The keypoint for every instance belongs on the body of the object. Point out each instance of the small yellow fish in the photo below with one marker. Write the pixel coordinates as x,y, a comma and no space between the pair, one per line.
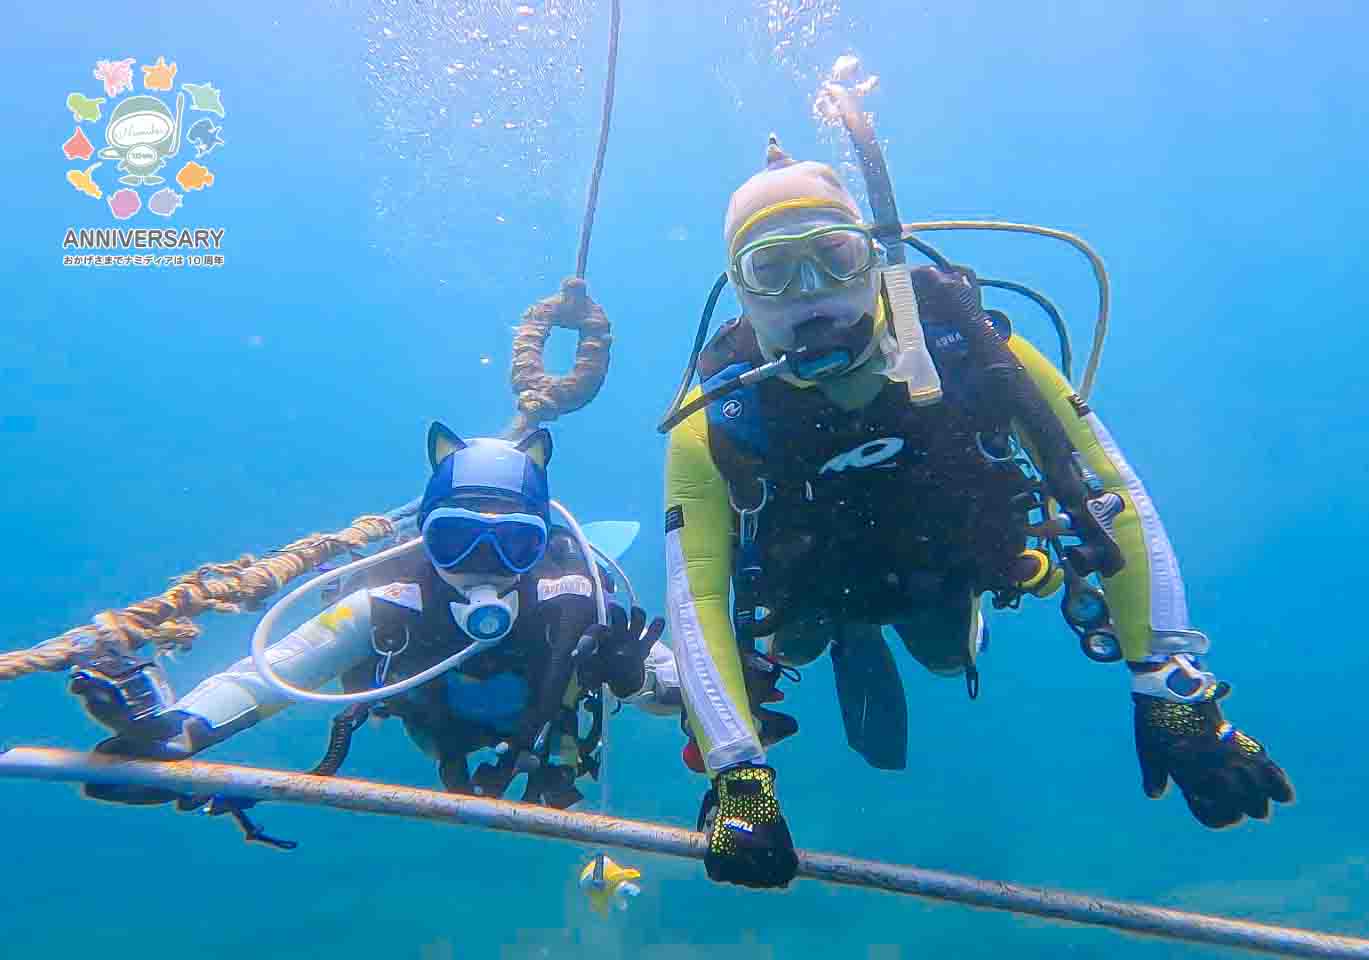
608,884
80,179
194,176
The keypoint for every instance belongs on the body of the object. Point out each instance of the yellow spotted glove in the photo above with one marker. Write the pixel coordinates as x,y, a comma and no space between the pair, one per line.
748,841
1224,774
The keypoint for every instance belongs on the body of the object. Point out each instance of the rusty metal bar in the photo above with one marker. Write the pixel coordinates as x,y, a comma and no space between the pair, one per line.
195,777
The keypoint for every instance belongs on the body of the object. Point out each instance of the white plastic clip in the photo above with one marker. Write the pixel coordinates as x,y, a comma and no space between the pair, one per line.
909,361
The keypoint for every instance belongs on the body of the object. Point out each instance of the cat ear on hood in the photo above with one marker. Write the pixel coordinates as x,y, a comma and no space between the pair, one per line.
442,443
537,445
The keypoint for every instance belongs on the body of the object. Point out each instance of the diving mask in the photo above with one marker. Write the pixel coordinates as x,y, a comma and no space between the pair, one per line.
768,267
452,534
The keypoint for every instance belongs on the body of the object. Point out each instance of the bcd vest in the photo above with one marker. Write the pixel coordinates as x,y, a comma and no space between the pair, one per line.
869,512
413,640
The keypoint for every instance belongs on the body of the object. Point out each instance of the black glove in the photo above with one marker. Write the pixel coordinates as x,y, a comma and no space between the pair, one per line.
166,737
748,840
1224,774
947,297
169,736
620,651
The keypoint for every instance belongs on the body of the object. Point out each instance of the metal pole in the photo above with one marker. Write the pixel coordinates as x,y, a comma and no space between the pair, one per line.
195,777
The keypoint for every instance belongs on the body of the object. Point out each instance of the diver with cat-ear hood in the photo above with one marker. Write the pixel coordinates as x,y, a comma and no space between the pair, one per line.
493,629
870,447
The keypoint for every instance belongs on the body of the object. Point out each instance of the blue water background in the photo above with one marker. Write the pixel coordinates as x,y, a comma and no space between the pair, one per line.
151,421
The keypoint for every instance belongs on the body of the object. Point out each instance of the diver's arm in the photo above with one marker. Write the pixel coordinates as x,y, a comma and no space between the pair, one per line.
318,651
698,581
1181,732
1146,598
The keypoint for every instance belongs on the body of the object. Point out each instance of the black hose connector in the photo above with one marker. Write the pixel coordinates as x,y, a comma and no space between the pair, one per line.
340,739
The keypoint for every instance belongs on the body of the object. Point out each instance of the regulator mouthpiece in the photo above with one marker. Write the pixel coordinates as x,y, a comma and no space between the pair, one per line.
486,617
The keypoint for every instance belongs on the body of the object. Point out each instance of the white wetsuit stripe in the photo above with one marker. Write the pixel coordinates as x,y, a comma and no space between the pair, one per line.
1168,601
729,740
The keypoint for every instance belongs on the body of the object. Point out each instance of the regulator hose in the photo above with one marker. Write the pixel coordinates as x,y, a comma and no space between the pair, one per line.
1014,396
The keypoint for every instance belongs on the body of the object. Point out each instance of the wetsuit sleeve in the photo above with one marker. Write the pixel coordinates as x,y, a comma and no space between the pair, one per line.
320,650
1146,598
698,583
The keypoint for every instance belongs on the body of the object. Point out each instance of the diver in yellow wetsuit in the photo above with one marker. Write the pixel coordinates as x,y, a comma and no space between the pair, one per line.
815,494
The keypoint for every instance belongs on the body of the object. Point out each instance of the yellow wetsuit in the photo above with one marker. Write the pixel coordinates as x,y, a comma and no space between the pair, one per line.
1146,598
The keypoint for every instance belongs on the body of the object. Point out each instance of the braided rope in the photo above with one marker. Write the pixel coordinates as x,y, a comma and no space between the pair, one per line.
165,620
542,396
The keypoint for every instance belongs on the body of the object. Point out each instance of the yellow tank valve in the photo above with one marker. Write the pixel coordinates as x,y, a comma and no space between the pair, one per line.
1033,570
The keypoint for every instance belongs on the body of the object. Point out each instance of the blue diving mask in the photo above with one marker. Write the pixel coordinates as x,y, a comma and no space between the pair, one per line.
452,534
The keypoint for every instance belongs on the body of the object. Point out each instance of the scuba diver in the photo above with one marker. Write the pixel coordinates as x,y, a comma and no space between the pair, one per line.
870,447
493,635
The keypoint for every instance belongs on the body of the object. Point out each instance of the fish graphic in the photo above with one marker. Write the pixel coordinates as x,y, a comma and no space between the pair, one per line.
205,136
78,147
84,108
193,176
80,179
164,202
124,203
204,97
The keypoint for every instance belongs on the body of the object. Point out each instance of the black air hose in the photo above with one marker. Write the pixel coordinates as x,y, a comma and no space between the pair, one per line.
555,678
1012,395
340,739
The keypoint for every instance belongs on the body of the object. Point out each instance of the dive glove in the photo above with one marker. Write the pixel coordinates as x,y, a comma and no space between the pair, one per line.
621,650
1225,775
748,840
174,735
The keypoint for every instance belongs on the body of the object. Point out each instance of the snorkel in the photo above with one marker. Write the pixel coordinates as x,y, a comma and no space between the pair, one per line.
906,350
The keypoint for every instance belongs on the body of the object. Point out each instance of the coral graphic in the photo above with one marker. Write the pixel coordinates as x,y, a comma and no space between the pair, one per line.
116,75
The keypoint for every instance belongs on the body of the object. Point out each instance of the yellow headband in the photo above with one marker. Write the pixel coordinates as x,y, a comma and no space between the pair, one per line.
798,203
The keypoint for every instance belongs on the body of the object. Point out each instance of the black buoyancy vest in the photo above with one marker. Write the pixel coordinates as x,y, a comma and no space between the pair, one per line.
425,637
870,510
